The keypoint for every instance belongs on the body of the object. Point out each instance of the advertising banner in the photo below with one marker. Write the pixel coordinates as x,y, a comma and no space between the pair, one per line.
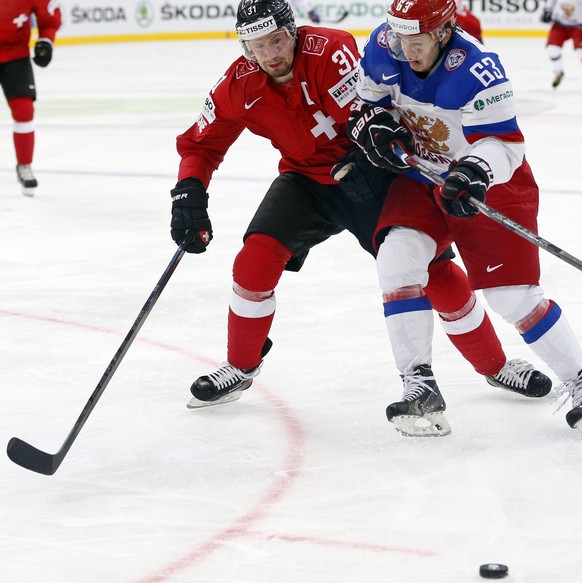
119,20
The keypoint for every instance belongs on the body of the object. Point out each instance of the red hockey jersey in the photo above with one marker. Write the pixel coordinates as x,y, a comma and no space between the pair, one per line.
15,25
469,22
304,118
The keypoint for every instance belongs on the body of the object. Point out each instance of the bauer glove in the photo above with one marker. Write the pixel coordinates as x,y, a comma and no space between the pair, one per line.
189,215
470,176
375,131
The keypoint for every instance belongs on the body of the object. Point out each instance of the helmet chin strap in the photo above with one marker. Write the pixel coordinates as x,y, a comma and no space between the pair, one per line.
439,34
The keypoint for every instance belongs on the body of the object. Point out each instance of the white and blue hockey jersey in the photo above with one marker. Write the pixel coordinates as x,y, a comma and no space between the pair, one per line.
464,105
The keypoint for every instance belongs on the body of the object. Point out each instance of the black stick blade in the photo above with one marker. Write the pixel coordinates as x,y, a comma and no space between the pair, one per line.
31,458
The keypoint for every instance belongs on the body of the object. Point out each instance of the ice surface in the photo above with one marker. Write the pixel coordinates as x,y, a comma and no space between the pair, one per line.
303,479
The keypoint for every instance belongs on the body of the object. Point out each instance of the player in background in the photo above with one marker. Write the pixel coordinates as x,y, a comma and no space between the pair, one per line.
295,87
16,75
566,19
307,8
468,21
445,98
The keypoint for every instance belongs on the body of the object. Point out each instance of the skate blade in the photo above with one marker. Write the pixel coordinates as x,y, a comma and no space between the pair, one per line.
28,191
195,403
429,425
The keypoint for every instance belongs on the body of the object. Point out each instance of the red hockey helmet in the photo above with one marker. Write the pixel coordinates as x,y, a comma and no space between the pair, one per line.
420,16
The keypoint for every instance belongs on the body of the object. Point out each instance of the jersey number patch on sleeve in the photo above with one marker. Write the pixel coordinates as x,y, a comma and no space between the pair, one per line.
487,71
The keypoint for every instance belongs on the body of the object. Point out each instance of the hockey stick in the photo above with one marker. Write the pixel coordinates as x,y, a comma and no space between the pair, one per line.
36,460
493,214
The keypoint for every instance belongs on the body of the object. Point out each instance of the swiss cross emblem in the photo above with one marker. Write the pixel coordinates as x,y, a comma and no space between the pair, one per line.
20,20
205,236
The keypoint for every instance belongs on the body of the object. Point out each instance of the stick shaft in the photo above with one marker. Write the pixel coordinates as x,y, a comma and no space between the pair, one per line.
36,460
495,215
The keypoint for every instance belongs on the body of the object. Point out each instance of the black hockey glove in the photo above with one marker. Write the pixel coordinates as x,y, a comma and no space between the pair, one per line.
470,176
43,52
189,204
359,179
375,131
546,16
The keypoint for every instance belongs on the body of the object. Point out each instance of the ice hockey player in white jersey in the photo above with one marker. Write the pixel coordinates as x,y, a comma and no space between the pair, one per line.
445,98
306,8
566,19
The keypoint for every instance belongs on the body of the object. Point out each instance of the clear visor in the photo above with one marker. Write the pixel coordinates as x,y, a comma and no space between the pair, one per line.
399,45
269,46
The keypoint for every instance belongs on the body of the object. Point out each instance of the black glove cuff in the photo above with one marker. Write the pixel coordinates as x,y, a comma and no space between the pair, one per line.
477,166
359,178
190,193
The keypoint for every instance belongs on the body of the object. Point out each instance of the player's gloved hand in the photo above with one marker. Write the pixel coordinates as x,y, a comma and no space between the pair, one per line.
189,215
314,16
43,52
359,179
375,131
546,16
470,176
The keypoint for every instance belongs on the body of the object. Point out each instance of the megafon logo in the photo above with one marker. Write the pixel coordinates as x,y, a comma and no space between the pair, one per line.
403,25
144,14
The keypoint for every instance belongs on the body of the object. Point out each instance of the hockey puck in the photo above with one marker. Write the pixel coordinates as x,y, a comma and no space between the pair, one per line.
493,571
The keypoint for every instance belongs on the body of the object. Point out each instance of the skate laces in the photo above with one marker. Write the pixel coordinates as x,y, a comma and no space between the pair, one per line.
415,386
227,375
515,373
568,389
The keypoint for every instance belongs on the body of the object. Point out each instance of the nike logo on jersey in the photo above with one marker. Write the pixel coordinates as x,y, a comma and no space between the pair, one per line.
490,269
249,105
387,77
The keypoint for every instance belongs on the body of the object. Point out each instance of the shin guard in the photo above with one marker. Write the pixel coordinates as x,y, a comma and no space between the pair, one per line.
256,272
463,318
22,109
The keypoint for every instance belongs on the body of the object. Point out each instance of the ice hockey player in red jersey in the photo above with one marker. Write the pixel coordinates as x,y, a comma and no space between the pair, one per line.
295,86
468,21
16,75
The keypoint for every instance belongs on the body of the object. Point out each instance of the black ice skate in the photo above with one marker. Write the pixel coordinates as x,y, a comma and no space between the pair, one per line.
224,385
420,413
574,389
26,178
558,79
520,377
